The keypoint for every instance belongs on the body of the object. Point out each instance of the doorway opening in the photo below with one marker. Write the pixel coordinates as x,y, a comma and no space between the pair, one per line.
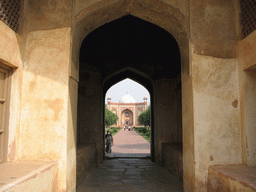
122,49
127,118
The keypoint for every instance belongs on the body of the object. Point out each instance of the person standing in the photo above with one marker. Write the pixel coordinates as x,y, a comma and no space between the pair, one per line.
109,142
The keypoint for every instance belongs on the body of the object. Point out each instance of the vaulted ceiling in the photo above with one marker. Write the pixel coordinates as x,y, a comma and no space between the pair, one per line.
133,42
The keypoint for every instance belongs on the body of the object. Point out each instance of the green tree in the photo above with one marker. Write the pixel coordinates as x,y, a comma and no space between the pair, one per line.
110,117
145,117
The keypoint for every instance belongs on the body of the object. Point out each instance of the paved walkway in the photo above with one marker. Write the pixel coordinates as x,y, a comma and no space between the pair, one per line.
125,175
129,144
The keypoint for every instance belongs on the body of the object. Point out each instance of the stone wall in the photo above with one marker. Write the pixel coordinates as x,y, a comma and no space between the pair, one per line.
217,132
166,114
90,109
173,158
44,120
86,161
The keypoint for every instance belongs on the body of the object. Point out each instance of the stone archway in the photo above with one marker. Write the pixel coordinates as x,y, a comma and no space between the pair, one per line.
172,21
144,80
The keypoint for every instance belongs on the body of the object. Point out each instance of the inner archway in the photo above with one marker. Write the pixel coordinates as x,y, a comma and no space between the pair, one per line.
131,132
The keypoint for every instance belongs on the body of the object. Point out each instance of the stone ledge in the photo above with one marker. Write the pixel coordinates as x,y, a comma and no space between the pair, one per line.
17,173
86,161
173,158
232,177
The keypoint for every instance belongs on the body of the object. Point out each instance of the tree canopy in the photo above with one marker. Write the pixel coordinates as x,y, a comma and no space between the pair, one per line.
110,117
145,117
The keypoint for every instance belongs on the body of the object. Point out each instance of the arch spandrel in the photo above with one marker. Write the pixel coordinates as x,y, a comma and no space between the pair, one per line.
156,12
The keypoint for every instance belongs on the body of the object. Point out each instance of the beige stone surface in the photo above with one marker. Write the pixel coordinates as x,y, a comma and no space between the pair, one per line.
46,14
182,6
28,176
217,133
213,28
43,134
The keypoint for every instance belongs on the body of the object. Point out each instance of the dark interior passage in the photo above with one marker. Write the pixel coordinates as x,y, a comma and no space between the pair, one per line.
130,48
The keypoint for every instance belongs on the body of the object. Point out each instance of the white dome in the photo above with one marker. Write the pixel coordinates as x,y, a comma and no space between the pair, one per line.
127,99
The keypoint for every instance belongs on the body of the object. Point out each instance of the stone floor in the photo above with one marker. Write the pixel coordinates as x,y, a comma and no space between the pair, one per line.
129,144
130,175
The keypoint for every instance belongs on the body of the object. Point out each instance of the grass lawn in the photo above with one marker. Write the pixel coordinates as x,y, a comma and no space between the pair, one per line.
113,130
144,132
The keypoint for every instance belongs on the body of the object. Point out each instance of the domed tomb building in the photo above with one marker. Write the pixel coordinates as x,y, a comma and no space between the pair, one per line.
127,110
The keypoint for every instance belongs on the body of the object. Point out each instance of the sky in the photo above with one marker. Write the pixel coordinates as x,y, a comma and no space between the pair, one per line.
136,90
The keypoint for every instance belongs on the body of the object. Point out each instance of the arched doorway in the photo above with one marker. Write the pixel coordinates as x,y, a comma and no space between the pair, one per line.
142,79
163,79
127,117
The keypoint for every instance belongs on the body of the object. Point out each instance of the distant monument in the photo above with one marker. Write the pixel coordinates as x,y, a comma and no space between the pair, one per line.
127,110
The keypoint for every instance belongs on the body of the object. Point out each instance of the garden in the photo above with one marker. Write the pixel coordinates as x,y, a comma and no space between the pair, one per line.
113,130
144,132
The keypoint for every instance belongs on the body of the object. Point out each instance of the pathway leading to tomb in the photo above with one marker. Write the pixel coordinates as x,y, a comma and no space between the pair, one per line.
129,144
130,174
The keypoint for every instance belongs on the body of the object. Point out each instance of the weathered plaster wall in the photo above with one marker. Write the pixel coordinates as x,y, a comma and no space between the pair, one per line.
48,96
10,55
180,5
247,77
216,104
90,109
213,28
46,14
43,133
216,110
